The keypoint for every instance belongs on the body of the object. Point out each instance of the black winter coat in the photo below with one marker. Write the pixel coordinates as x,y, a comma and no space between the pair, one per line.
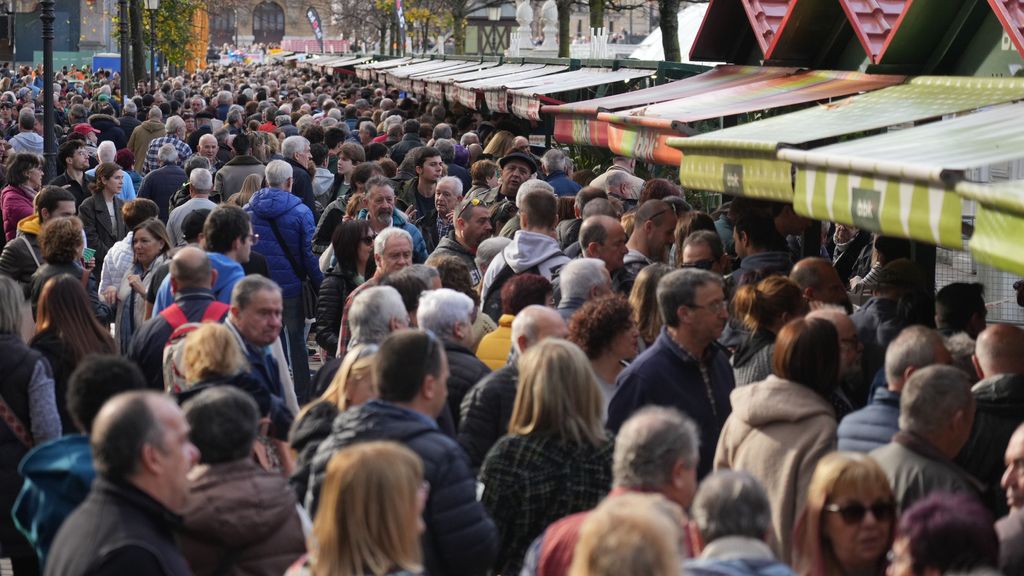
17,364
160,185
56,353
128,125
999,410
337,285
460,538
302,186
110,130
117,530
465,370
311,429
485,412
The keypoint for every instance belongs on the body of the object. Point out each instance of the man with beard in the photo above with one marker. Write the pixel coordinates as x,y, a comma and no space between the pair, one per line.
381,214
516,168
874,425
472,226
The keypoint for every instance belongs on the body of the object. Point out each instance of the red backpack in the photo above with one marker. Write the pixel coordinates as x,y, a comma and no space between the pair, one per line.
174,350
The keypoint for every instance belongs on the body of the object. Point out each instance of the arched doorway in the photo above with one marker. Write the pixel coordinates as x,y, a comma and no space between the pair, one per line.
223,27
268,23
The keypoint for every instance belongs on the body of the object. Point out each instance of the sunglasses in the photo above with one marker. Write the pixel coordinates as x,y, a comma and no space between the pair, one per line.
854,513
701,264
367,240
466,204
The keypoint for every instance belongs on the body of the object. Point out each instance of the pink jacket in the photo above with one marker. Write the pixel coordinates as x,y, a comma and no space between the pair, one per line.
15,203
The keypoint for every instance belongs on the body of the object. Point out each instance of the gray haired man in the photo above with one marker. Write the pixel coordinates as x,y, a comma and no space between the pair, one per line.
733,517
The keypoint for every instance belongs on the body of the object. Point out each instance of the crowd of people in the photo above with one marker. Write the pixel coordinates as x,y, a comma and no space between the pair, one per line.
264,321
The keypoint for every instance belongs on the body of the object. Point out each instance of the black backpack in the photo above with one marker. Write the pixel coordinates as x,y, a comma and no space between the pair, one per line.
492,302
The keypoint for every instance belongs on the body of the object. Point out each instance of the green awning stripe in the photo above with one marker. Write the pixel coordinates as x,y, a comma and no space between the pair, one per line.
902,208
997,240
753,175
1000,196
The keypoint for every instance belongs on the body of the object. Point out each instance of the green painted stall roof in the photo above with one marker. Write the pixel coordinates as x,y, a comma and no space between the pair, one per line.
939,153
919,99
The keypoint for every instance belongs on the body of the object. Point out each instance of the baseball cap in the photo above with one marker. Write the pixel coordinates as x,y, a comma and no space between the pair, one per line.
84,129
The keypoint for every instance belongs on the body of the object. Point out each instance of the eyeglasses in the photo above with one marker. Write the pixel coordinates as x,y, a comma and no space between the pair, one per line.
466,204
854,513
701,264
255,239
367,240
713,307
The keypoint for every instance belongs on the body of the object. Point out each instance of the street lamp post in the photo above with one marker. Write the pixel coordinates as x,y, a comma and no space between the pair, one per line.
123,32
49,136
152,6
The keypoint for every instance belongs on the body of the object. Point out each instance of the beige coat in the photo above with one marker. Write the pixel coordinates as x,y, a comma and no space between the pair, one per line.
777,432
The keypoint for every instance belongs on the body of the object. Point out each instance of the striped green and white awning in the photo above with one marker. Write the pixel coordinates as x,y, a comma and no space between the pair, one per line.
907,209
747,153
998,223
903,183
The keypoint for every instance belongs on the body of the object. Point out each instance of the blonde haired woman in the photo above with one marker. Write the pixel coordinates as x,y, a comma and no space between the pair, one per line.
848,522
250,185
352,385
631,534
212,356
556,458
369,520
499,145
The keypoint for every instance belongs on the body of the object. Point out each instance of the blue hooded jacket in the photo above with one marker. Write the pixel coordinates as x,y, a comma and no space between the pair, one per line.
229,273
58,476
295,222
419,246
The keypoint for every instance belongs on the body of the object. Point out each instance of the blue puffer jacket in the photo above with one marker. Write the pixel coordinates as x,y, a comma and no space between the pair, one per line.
872,426
419,245
295,222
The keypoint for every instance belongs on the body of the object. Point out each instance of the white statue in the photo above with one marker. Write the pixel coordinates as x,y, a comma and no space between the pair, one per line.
549,19
524,16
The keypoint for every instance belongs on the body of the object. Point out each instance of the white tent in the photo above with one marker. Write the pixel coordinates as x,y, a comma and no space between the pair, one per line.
690,19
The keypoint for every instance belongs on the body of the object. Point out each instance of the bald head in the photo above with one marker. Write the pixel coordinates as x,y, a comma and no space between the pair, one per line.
1000,350
535,323
190,269
819,281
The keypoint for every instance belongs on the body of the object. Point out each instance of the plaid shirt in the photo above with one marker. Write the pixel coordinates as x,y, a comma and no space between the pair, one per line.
151,163
531,481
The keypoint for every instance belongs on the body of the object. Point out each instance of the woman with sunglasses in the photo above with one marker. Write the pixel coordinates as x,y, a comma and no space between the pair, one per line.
353,250
847,524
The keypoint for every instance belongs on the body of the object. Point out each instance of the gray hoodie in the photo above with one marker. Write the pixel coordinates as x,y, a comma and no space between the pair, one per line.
527,250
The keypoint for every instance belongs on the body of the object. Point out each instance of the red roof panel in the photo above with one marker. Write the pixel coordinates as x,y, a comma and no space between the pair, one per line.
767,17
1011,16
874,21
